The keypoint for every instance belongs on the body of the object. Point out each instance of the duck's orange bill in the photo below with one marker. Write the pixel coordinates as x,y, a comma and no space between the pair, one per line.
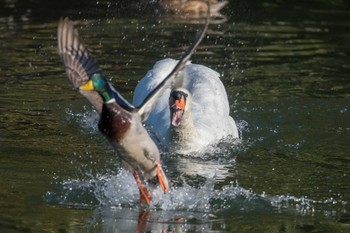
145,196
180,104
162,180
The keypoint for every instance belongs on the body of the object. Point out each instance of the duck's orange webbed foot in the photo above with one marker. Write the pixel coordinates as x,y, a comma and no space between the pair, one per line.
163,181
145,195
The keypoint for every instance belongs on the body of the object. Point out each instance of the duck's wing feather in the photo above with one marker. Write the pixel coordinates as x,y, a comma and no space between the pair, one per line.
80,65
145,108
120,99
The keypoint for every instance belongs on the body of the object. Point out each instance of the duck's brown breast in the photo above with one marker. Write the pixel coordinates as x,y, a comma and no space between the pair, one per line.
114,122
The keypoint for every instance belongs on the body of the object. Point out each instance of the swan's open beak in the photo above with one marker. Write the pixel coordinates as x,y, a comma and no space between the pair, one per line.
177,108
88,86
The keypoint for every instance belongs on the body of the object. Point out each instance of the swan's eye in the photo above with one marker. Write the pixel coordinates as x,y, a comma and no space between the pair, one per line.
177,100
177,95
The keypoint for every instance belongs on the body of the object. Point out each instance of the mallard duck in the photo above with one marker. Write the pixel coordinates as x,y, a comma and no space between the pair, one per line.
120,122
193,8
191,116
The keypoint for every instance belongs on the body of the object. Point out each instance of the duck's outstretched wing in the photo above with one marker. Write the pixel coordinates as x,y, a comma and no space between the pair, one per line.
146,107
80,65
120,99
78,62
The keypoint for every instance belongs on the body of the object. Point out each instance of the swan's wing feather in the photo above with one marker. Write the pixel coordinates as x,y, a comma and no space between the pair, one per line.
148,103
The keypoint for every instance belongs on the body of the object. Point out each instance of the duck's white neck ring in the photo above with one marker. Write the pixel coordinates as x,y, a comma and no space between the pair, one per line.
111,101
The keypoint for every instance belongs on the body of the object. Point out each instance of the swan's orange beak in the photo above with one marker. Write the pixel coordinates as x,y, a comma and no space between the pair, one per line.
177,108
178,104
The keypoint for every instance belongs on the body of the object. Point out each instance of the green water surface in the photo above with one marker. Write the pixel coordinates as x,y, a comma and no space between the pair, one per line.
285,66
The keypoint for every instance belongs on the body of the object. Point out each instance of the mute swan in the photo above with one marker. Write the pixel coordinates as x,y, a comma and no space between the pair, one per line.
191,116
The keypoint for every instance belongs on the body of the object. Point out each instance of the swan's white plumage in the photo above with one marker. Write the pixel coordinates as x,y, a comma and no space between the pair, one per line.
210,106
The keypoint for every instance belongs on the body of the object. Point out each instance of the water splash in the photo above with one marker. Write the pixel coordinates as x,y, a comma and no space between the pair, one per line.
88,119
121,191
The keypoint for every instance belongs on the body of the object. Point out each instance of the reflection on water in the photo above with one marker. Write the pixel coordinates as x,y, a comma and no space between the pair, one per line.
141,220
285,68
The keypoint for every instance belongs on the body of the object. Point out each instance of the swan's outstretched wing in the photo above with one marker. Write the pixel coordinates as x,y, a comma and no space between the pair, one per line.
148,104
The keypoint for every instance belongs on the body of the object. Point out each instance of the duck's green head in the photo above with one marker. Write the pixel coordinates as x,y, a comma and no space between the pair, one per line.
99,84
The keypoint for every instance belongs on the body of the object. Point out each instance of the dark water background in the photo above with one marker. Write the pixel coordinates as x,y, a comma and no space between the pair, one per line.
285,66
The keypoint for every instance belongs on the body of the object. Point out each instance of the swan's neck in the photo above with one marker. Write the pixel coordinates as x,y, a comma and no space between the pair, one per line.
184,133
